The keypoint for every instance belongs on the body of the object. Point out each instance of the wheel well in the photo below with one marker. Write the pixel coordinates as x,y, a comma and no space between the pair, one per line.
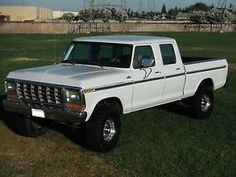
112,101
207,82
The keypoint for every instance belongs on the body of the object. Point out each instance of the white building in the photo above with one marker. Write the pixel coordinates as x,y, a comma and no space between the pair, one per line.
26,13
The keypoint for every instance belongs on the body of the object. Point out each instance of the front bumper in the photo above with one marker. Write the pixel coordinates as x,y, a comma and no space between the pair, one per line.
57,114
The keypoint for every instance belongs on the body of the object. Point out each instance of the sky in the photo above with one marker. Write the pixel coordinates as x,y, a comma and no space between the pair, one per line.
76,5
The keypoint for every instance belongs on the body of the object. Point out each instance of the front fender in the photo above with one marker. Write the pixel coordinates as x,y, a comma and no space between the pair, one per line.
92,99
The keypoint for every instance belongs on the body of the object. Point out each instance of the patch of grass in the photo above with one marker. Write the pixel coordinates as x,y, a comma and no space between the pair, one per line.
154,142
51,155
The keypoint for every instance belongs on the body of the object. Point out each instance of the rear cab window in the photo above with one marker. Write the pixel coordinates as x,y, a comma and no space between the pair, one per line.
168,54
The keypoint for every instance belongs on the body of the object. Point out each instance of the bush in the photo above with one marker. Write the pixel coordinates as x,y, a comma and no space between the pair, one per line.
218,16
121,15
212,16
198,17
85,15
69,17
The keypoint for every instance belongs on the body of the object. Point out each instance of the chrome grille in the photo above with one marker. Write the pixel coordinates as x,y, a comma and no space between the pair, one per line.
40,94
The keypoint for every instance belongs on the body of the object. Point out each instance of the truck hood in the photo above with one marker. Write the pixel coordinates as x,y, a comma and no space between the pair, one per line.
84,76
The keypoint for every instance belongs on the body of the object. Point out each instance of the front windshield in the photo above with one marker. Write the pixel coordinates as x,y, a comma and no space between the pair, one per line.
102,54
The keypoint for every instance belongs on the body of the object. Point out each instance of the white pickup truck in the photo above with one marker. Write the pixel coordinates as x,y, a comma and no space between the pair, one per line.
103,77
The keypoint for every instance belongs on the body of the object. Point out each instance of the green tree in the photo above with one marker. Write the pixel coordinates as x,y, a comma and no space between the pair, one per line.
173,12
105,14
163,9
121,15
218,16
69,17
198,17
85,15
199,6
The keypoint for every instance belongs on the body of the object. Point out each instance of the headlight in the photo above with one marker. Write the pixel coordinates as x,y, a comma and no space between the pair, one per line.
73,96
74,99
10,87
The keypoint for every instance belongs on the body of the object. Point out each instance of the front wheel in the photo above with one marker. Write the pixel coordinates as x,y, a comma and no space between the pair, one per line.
104,128
30,128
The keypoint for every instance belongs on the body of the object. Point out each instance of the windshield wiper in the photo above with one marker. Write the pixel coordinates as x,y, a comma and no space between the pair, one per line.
88,62
70,61
92,62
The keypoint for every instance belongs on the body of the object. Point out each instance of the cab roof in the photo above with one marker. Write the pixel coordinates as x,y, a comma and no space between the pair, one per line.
124,39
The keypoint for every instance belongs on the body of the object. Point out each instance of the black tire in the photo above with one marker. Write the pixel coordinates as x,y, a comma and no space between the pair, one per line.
104,128
30,128
202,103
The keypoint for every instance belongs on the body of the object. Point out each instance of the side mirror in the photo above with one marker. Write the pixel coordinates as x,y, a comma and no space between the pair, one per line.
147,62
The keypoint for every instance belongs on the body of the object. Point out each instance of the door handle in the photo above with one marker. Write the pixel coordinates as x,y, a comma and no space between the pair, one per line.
158,72
177,69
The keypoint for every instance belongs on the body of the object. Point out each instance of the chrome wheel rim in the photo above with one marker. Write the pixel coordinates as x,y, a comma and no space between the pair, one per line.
109,130
205,103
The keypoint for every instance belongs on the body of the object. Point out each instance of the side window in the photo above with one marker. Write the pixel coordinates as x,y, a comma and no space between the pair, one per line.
168,54
140,53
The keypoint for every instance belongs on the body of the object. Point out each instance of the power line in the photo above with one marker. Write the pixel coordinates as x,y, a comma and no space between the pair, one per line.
222,4
151,5
95,4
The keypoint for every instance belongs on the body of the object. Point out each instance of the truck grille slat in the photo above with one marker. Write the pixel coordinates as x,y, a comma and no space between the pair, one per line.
40,94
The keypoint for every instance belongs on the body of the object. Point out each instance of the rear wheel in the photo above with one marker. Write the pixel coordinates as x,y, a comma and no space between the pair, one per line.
202,103
30,128
104,128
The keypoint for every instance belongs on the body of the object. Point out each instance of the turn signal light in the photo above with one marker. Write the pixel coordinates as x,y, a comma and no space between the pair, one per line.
12,96
75,106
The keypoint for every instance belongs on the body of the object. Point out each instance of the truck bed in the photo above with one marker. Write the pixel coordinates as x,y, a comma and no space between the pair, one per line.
198,68
189,60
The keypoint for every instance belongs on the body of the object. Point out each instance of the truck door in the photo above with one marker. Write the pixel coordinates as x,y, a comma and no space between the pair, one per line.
148,81
174,72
